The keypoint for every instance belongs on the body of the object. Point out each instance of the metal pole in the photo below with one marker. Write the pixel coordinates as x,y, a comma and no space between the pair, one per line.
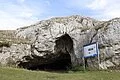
98,62
98,56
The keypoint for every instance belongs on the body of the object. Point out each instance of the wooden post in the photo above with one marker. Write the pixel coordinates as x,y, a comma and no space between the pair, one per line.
83,62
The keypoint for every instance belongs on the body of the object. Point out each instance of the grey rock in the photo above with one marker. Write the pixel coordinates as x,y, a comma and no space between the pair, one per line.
63,36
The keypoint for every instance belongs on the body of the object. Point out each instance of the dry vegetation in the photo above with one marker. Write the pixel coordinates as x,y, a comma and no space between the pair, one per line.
7,37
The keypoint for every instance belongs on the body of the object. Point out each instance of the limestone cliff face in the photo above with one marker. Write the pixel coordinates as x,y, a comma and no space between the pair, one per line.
52,40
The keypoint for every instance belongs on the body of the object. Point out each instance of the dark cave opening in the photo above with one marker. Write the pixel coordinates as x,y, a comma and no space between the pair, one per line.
63,47
63,62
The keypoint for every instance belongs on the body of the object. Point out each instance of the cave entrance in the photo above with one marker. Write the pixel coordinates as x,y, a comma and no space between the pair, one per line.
62,59
63,47
63,62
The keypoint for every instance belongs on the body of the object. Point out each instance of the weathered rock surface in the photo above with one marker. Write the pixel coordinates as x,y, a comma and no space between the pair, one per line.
59,40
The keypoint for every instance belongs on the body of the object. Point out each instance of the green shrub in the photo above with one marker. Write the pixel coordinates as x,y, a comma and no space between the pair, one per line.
5,44
77,68
10,62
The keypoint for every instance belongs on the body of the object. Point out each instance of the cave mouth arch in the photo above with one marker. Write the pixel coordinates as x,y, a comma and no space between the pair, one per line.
62,59
63,47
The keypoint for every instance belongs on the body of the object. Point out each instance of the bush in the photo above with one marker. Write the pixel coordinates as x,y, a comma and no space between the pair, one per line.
10,62
77,68
5,44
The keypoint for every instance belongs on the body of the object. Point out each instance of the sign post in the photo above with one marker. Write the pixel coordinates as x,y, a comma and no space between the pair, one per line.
91,50
98,55
83,63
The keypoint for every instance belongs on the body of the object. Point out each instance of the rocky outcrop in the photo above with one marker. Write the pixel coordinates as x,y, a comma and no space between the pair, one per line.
14,53
108,37
45,34
60,40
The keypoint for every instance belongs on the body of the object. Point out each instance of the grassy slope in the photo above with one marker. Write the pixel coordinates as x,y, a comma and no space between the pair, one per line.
9,36
21,74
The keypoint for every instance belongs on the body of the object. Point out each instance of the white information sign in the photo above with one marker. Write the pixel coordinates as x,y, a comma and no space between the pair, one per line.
91,50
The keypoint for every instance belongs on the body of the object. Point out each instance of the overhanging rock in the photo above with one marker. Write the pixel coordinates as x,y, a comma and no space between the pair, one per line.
60,59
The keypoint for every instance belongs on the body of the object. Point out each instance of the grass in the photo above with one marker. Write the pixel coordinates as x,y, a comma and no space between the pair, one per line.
22,74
